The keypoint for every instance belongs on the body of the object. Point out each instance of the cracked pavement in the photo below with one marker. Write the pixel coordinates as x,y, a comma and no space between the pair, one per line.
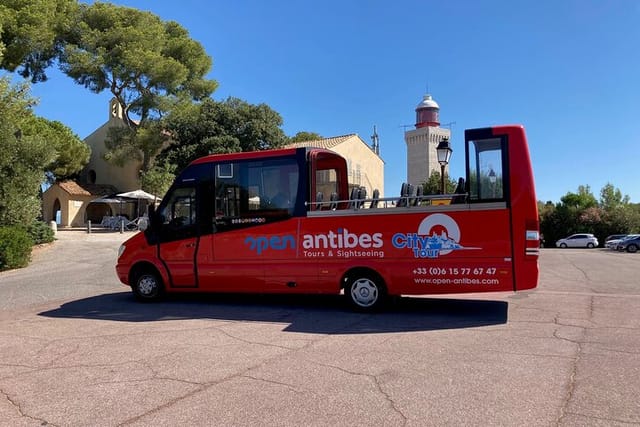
77,350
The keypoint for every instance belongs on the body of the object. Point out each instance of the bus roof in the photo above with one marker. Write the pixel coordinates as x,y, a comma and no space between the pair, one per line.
256,154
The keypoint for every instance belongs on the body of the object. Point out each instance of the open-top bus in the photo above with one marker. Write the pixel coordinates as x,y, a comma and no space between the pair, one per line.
288,221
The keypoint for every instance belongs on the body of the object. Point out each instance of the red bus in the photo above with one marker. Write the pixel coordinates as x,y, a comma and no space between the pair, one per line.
288,221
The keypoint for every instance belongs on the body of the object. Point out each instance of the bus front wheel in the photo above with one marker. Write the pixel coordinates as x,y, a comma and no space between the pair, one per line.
365,292
147,285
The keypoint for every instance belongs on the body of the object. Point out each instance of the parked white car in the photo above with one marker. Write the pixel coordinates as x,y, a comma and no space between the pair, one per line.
580,240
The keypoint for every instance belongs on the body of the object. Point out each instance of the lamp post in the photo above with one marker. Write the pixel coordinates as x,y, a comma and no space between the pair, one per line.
444,154
492,180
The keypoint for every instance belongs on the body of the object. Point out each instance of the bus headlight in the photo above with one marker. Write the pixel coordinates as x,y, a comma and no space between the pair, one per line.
121,250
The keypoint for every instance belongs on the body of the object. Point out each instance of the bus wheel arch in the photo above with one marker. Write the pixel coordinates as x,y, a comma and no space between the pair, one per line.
146,282
365,289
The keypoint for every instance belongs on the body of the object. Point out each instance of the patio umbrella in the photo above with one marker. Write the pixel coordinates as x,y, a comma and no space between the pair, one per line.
139,195
106,200
109,200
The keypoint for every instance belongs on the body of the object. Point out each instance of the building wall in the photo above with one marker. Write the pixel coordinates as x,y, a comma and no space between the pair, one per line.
124,178
72,207
422,158
366,168
48,199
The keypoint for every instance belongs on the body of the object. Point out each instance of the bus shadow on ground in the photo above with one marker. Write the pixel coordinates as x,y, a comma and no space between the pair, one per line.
303,313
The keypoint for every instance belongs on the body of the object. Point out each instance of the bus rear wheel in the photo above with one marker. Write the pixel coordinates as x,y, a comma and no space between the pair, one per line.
365,292
147,286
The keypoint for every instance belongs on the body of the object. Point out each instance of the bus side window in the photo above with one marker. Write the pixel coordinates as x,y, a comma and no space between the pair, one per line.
178,214
485,171
250,193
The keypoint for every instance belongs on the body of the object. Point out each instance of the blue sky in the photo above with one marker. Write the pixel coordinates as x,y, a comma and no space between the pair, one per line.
568,70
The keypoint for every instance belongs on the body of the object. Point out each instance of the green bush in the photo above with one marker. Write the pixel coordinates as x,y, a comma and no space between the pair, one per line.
15,247
40,232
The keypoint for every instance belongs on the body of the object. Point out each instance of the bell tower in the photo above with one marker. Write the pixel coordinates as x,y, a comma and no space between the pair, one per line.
115,109
422,141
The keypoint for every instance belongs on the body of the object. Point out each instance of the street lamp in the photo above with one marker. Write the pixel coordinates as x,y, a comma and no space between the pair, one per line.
444,154
492,180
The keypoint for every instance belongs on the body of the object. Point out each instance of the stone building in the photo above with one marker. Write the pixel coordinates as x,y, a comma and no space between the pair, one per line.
98,170
69,203
73,203
422,141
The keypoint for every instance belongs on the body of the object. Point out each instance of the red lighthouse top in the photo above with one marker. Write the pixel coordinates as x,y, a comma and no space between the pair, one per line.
427,113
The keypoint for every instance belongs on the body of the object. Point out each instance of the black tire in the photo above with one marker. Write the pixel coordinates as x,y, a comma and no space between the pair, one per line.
147,286
590,245
632,248
365,291
563,245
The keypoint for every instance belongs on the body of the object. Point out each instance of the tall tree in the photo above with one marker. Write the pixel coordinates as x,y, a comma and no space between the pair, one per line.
434,183
147,64
305,136
581,200
71,154
142,144
140,59
221,127
23,157
611,198
32,34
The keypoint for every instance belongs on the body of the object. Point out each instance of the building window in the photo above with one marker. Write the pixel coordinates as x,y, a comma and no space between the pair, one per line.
92,176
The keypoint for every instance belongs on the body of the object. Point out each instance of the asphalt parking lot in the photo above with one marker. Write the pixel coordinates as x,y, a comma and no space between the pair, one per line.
77,350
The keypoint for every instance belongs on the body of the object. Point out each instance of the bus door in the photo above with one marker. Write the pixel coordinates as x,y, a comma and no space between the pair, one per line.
235,265
178,236
502,198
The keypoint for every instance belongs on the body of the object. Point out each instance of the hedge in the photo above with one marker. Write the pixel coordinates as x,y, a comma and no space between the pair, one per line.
15,247
40,232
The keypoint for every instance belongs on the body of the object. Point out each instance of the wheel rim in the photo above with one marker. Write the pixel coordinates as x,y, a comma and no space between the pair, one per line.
147,285
364,292
632,248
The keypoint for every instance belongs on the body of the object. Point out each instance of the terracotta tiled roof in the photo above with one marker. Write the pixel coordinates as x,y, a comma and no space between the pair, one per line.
327,143
72,187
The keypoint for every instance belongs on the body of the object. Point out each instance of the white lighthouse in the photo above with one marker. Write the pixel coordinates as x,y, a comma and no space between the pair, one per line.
423,140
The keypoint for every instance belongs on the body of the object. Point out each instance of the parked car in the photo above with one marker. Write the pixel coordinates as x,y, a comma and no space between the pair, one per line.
580,240
611,242
630,244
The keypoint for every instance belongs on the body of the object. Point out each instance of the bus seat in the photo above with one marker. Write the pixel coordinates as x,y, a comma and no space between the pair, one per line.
404,192
362,195
460,192
333,201
353,198
417,200
375,199
319,198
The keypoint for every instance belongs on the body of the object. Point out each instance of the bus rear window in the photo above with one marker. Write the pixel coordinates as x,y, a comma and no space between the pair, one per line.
485,170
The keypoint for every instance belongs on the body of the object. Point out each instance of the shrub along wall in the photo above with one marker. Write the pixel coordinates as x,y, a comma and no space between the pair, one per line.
15,247
40,232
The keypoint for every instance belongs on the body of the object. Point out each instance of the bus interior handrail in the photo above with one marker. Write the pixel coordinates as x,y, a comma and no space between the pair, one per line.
387,202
